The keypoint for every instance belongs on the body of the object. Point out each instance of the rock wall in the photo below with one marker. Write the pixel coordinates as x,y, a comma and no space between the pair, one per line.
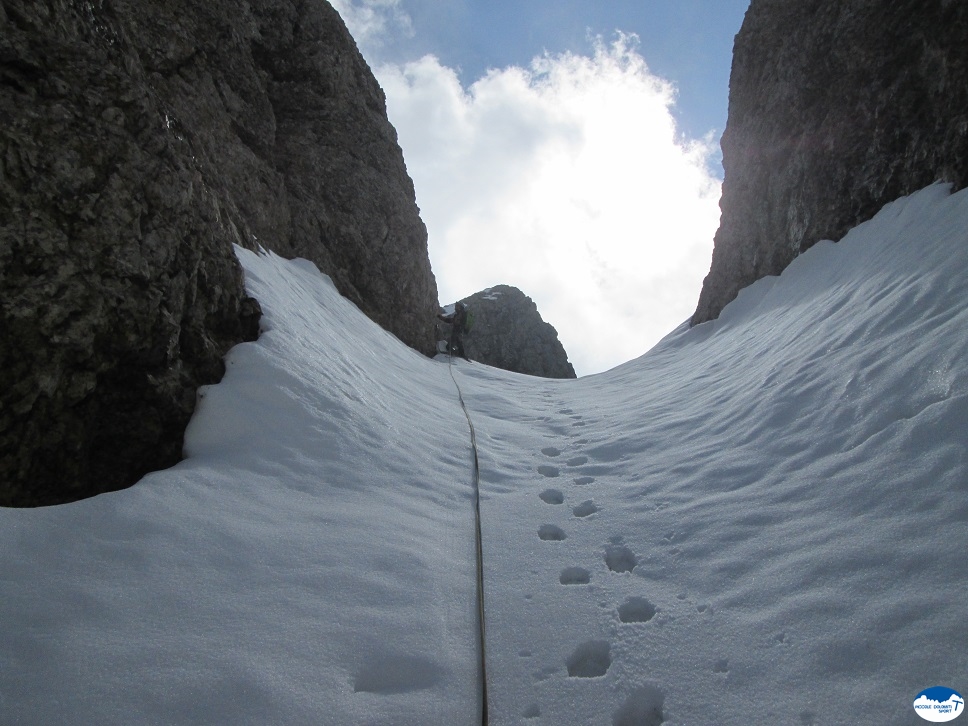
285,118
509,333
140,140
836,107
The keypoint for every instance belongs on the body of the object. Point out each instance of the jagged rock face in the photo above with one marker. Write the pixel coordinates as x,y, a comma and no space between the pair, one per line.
140,139
509,333
284,116
836,107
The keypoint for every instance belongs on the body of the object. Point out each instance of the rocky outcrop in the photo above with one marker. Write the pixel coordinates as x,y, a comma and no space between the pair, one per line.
140,140
836,107
509,333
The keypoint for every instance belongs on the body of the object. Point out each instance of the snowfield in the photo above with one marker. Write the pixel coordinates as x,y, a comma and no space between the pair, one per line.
763,520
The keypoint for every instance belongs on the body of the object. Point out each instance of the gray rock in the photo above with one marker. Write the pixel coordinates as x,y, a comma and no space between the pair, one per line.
509,333
289,127
836,107
140,140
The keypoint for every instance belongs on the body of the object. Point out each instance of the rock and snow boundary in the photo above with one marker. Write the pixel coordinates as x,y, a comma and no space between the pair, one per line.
310,562
760,521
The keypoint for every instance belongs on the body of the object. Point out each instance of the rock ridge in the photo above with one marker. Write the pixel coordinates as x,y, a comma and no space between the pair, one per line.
509,333
836,108
141,140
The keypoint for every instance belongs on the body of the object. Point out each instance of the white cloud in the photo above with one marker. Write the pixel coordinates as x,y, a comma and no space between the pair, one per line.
370,21
567,180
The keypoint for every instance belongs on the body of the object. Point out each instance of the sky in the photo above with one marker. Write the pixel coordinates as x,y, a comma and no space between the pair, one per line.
567,147
759,522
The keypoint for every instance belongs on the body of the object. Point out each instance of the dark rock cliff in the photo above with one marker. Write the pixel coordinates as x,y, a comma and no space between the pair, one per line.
141,139
836,107
509,333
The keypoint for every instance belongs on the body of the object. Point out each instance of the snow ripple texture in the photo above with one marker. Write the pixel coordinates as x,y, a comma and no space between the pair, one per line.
762,520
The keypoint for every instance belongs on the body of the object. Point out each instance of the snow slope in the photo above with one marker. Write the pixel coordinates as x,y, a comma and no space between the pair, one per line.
311,562
763,520
790,482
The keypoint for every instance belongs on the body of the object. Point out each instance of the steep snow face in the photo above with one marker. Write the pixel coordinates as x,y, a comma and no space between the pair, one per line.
763,520
760,521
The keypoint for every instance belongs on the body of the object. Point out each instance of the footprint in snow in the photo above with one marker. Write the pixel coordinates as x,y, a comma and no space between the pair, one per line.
551,533
585,509
636,610
552,496
532,711
392,673
575,576
643,707
577,461
551,451
590,659
548,471
620,558
583,480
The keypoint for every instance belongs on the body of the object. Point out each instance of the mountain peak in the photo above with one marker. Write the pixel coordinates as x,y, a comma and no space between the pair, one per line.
509,333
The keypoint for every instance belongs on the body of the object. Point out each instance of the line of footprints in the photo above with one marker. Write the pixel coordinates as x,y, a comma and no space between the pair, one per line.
592,658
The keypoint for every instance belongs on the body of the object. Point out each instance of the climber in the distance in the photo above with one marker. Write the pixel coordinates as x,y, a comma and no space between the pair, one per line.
458,322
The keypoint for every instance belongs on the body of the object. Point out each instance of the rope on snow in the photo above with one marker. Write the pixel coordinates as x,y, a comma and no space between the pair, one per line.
480,547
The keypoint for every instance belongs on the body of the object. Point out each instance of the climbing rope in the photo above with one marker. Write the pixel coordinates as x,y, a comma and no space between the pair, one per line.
480,547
